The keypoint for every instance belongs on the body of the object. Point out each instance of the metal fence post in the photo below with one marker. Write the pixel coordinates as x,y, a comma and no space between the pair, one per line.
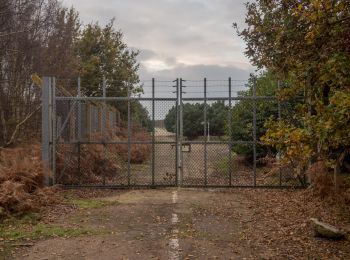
153,131
46,127
104,120
230,129
129,134
205,134
177,163
79,128
54,128
181,135
254,131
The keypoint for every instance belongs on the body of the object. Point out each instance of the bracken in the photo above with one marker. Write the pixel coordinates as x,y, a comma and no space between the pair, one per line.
21,181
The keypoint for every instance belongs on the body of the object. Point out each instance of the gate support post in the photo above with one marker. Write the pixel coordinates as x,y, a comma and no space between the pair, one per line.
153,131
129,134
46,128
181,164
104,120
230,129
54,128
79,129
177,134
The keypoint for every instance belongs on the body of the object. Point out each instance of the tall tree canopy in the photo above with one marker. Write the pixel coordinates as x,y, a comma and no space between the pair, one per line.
306,43
103,53
36,36
43,37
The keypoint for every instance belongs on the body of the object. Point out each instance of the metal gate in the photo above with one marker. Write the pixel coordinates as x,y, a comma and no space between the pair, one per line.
152,139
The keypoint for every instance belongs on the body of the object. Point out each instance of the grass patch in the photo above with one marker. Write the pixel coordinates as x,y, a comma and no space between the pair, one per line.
11,236
16,221
91,203
44,231
21,229
29,228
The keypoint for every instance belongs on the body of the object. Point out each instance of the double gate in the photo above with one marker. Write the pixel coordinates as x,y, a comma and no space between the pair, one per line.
201,133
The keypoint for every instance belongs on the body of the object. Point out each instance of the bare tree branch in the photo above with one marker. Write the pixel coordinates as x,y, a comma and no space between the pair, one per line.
19,125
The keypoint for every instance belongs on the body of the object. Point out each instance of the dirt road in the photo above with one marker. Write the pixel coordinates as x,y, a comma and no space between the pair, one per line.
189,224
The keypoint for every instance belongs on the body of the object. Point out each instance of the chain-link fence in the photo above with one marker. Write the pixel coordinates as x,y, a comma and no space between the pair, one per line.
191,133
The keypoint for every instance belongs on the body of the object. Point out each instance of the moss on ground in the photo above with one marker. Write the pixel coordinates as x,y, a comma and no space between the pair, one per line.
15,231
91,203
40,231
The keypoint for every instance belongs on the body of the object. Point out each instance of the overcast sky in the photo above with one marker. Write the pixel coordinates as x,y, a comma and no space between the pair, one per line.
191,39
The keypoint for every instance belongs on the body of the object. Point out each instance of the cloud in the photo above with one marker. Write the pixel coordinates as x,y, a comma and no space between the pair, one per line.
196,72
189,38
146,55
158,65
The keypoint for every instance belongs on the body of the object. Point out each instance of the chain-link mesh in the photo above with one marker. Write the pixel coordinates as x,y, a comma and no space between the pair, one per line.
165,164
193,164
218,165
242,165
190,133
165,146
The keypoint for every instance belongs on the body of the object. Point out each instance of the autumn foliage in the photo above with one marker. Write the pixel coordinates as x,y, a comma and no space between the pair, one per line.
98,161
22,181
306,45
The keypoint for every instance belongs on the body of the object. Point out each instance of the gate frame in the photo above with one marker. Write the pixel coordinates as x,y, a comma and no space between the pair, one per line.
49,133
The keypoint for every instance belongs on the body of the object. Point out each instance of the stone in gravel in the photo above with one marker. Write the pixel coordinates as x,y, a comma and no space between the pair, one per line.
325,230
